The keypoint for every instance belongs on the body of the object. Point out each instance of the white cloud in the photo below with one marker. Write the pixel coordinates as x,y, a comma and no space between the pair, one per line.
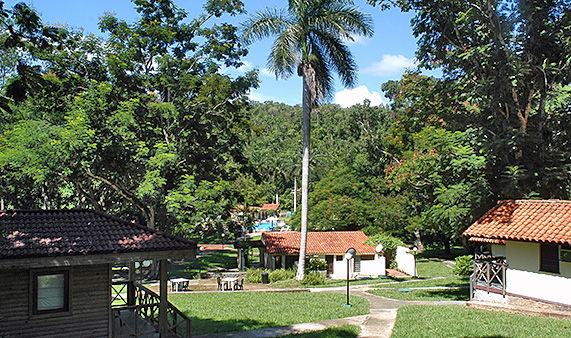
349,97
390,65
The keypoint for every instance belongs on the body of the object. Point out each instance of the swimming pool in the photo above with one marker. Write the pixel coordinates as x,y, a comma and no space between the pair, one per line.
264,227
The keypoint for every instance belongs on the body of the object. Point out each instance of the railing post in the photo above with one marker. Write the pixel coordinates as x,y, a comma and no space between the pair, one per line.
487,276
504,280
131,300
163,318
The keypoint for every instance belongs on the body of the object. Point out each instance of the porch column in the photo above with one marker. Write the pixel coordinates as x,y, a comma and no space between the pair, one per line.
131,286
163,324
262,257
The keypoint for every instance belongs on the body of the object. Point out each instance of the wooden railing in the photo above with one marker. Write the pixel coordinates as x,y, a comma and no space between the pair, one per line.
140,315
489,274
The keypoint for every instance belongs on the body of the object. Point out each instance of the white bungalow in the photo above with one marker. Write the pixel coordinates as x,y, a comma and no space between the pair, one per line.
525,253
282,251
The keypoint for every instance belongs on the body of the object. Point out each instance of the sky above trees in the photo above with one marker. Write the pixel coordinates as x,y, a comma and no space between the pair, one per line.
383,57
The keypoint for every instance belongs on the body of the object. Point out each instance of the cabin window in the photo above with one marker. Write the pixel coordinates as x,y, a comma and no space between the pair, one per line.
51,292
549,257
367,257
338,258
565,255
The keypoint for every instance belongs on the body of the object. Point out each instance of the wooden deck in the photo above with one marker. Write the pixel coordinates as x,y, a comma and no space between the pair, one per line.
489,275
136,313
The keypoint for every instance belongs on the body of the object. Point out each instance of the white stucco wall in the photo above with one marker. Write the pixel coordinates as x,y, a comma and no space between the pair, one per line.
524,278
369,268
406,262
498,250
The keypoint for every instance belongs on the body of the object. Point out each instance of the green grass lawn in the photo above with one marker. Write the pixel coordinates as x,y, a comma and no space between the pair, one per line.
223,312
432,268
428,269
453,281
424,294
343,331
459,321
223,259
455,251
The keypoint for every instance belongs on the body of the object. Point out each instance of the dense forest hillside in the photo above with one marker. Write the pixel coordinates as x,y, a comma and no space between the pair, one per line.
143,123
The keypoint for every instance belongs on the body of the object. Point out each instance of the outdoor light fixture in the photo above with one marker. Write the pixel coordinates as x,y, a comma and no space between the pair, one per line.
350,254
379,248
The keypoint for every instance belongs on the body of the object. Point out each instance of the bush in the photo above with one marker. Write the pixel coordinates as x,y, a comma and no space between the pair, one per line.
281,274
389,243
313,278
254,275
464,266
316,264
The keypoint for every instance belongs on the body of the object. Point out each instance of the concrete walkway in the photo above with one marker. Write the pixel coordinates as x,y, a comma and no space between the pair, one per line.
379,322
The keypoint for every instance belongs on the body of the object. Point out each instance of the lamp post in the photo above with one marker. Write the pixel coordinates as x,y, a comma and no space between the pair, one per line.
350,254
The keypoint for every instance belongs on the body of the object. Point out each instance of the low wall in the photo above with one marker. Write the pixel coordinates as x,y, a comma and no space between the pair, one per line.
406,262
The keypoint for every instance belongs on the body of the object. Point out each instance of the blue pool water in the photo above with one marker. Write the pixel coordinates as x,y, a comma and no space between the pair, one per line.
264,227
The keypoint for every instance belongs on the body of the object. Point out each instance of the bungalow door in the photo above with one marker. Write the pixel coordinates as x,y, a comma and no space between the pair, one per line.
329,259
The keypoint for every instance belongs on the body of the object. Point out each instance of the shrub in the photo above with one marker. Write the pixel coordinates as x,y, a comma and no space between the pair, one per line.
316,264
281,274
389,243
313,278
464,266
254,275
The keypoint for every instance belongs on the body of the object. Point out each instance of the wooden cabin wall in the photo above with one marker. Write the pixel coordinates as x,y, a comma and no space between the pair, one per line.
89,287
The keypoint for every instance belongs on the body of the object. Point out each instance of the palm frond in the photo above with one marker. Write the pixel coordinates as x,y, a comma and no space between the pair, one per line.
341,20
284,56
265,24
324,77
339,57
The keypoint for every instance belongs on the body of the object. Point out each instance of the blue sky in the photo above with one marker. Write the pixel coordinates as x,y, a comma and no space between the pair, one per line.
383,57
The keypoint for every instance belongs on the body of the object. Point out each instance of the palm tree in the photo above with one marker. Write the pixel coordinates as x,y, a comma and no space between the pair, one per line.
310,38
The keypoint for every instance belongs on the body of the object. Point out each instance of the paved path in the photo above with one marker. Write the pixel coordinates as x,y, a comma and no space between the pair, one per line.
379,322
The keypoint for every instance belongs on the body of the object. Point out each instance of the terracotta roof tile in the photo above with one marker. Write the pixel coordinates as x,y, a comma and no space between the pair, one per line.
327,242
527,220
38,233
270,206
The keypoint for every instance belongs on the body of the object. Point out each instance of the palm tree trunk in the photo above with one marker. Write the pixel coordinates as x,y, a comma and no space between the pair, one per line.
306,111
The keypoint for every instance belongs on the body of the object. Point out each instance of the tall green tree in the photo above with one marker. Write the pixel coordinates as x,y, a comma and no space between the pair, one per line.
310,38
141,123
507,57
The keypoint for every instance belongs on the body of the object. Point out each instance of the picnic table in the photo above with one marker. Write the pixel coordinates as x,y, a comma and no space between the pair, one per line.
228,283
179,284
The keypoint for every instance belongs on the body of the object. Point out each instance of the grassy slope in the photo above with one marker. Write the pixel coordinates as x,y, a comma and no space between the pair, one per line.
457,321
427,269
218,259
222,312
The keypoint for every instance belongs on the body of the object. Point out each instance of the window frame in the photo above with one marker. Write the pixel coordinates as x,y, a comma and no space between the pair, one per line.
553,265
34,294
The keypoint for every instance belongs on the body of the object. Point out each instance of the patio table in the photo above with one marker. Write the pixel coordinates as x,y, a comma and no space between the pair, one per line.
179,284
229,282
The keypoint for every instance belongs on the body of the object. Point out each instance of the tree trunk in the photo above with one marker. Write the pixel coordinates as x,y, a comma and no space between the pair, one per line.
417,240
446,242
306,104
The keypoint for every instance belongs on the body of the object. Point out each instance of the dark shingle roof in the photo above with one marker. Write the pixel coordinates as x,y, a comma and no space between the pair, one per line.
326,242
524,220
44,233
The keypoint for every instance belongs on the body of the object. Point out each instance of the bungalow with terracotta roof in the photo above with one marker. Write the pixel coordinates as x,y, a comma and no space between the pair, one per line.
525,252
282,251
57,277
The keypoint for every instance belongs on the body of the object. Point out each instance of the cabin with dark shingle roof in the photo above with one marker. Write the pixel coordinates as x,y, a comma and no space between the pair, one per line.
282,251
524,252
57,277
